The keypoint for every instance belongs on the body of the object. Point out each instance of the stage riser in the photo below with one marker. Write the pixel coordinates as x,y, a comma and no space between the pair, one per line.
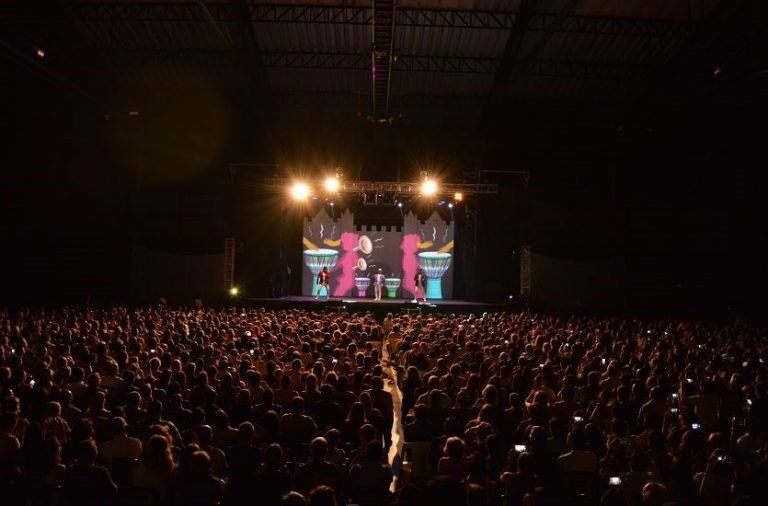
379,308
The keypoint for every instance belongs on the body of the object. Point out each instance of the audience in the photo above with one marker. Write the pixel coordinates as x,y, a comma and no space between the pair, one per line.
247,406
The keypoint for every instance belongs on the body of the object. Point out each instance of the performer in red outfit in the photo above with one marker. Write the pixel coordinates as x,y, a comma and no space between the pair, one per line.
323,279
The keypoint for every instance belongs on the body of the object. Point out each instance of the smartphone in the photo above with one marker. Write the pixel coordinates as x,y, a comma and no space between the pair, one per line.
614,481
31,383
602,361
520,448
675,395
721,458
695,426
335,361
688,380
674,411
578,419
749,401
152,350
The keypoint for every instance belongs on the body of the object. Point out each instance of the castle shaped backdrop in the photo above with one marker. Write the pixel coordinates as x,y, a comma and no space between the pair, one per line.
354,254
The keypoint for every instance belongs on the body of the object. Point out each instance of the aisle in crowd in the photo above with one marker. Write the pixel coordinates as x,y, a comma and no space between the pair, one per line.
244,406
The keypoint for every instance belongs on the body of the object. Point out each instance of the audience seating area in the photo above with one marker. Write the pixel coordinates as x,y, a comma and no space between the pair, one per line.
161,406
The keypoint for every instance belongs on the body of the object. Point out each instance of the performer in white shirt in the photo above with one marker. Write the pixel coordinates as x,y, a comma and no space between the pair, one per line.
378,284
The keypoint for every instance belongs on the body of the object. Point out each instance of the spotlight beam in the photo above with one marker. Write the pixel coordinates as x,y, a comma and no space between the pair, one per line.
332,184
397,188
429,188
300,191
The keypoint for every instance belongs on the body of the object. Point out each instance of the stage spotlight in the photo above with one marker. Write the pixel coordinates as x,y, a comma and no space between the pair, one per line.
458,197
428,187
332,184
450,205
234,291
400,205
299,191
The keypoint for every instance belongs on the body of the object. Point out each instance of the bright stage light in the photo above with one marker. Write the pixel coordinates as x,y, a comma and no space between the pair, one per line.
458,197
234,291
428,187
299,191
332,184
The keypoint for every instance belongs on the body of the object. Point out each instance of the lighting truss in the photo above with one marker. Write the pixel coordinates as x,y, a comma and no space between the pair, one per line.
383,25
397,188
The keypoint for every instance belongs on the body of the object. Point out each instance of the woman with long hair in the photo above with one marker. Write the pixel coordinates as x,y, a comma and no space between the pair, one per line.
155,468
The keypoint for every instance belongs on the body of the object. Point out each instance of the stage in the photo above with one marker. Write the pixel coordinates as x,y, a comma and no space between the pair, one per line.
382,307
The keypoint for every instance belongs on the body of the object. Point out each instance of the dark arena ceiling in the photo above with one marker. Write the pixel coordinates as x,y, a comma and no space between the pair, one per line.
461,60
640,122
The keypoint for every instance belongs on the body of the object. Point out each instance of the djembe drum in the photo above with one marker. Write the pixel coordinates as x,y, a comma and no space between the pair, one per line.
392,284
362,286
434,265
316,259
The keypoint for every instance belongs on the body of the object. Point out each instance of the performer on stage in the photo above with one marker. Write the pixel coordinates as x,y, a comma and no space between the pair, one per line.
420,280
378,284
323,278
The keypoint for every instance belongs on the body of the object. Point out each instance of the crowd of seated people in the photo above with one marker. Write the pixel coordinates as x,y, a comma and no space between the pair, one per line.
245,406
201,407
529,409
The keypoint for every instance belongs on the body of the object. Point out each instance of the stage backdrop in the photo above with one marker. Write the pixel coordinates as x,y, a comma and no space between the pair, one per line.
354,255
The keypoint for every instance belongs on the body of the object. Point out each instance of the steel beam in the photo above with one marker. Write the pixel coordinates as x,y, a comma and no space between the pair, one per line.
115,11
518,68
512,49
361,61
601,25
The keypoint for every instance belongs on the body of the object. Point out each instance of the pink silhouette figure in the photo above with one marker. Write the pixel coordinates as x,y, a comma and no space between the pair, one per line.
410,263
346,282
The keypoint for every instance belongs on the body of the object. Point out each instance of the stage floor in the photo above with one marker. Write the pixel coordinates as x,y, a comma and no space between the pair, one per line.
355,304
